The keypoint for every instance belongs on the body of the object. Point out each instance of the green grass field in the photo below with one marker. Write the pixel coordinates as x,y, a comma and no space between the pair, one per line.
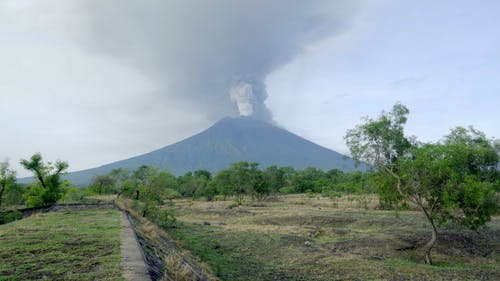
300,238
63,245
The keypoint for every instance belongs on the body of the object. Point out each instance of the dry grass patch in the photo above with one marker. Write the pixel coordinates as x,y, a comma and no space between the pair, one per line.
301,238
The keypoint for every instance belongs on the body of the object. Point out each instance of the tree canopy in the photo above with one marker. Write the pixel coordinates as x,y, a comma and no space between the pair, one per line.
7,178
48,188
451,180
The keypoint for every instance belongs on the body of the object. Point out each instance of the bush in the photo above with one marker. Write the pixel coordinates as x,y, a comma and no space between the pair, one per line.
9,216
162,217
287,190
34,197
74,194
171,194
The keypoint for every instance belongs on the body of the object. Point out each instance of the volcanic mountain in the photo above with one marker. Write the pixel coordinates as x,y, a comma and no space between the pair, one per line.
227,141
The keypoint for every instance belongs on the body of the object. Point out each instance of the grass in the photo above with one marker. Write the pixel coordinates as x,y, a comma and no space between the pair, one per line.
300,238
64,245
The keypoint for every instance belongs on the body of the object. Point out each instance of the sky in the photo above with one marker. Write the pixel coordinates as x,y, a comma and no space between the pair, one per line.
96,81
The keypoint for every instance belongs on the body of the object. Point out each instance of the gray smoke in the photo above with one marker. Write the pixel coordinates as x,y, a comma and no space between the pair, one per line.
214,55
242,94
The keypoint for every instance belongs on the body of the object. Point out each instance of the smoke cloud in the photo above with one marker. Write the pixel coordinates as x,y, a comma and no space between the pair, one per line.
242,95
212,56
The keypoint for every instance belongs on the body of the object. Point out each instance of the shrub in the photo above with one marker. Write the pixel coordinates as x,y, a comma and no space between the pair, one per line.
9,216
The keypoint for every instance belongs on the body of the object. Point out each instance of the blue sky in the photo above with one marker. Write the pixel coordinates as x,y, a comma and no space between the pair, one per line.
440,58
71,94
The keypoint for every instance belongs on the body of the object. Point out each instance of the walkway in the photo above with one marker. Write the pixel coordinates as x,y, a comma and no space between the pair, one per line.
134,267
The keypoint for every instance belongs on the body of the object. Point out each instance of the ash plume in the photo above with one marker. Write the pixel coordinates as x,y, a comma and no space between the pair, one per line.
242,94
196,50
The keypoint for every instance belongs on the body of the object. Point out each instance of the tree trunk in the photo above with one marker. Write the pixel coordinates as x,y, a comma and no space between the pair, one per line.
428,247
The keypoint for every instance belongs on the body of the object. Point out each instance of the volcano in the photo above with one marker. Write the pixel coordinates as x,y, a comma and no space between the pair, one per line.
227,141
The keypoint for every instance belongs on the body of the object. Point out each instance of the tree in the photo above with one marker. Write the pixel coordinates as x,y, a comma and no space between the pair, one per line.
7,178
449,181
120,175
102,184
240,177
274,178
221,184
194,184
143,173
48,176
260,185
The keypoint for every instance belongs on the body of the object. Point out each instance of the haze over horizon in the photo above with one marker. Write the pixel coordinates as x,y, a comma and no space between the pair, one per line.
93,82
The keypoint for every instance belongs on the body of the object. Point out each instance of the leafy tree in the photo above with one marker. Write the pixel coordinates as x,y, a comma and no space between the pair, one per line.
194,184
151,184
202,179
240,177
449,181
144,173
120,175
203,174
310,179
222,184
7,178
15,194
260,186
102,184
187,186
274,178
127,188
335,175
154,187
48,188
161,185
211,190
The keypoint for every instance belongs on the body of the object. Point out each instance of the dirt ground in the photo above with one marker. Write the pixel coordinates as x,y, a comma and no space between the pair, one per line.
296,237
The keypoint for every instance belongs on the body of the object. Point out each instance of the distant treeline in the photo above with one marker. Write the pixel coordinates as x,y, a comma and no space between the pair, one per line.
241,179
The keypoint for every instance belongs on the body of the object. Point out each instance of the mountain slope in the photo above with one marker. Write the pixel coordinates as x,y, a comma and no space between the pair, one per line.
227,141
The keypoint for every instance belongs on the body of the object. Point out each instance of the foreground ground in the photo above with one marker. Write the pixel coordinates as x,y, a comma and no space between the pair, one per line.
63,245
301,238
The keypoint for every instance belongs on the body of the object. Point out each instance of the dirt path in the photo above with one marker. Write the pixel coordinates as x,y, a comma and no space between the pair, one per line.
134,267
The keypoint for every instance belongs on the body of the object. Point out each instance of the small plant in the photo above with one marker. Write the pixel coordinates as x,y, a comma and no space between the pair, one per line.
162,217
334,196
9,216
310,194
238,201
177,270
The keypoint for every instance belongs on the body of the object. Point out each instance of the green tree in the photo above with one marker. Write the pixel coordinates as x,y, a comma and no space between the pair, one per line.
289,174
274,178
240,177
15,194
206,175
202,179
260,186
127,188
449,181
7,178
102,184
120,175
194,184
144,173
48,188
221,184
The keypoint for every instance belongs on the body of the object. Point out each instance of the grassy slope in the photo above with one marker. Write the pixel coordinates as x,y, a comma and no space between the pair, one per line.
267,241
64,245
